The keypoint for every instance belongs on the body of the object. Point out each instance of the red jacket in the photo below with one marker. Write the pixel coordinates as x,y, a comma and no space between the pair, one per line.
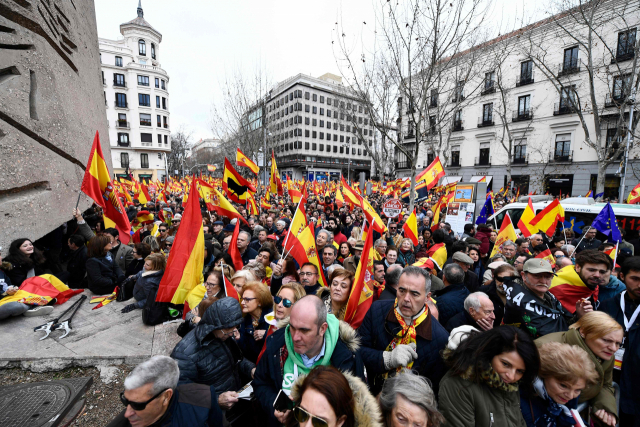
483,236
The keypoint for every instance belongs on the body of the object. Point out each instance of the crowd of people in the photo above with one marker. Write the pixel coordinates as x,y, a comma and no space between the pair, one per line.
454,336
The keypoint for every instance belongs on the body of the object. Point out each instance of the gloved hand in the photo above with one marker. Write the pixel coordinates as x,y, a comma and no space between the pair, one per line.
402,355
129,308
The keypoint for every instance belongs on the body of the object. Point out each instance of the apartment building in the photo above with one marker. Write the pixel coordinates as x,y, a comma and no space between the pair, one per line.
542,80
136,96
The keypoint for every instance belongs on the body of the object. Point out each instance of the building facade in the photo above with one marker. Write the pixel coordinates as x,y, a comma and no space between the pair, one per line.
310,124
136,96
526,98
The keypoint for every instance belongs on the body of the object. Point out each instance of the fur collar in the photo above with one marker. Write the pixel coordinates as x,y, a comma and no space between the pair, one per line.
150,272
348,335
6,266
367,411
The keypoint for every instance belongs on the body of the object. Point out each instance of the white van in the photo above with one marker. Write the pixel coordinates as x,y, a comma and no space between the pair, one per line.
579,212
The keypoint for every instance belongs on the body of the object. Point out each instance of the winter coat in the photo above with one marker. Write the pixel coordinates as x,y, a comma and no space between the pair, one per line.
533,407
460,319
366,409
466,403
611,289
629,396
5,281
471,281
498,305
350,264
204,359
19,272
269,373
147,283
103,275
135,267
249,346
249,255
450,301
194,405
406,258
483,235
123,256
376,334
599,395
77,268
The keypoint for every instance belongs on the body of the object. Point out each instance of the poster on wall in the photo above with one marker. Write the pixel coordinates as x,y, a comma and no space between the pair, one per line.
459,214
464,193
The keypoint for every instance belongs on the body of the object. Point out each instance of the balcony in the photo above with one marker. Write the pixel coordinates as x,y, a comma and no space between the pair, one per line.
145,122
489,87
410,135
519,160
457,126
524,79
569,66
482,161
560,108
482,122
454,163
402,165
623,56
519,116
123,143
166,126
119,84
122,124
561,157
433,102
458,97
614,101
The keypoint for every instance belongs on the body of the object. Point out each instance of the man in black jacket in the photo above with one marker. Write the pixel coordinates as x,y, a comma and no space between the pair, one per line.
76,260
478,313
308,278
247,253
391,278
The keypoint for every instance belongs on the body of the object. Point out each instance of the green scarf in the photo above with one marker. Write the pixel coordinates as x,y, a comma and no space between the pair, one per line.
490,378
294,359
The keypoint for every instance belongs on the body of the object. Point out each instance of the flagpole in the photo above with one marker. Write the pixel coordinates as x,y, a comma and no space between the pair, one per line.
564,230
579,241
615,258
78,202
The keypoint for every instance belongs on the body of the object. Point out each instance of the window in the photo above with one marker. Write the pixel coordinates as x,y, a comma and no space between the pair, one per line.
519,153
166,139
359,108
306,108
314,122
321,123
489,82
315,110
321,135
306,95
458,94
118,80
144,100
567,99
341,139
321,99
145,119
144,161
570,62
146,137
524,105
432,124
626,44
306,120
159,156
143,80
159,122
455,158
314,134
335,126
321,146
306,145
142,47
457,120
124,160
153,51
433,98
164,103
163,85
526,73
322,111
484,157
487,113
157,82
118,61
315,97
159,139
563,147
328,101
359,152
335,114
122,120
123,139
165,124
121,100
621,86
314,146
157,102
306,133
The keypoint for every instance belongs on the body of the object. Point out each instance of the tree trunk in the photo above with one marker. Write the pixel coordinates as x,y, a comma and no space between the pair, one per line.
602,174
413,185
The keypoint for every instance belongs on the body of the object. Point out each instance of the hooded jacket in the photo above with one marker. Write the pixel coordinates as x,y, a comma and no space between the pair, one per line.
147,284
269,374
611,289
204,359
366,409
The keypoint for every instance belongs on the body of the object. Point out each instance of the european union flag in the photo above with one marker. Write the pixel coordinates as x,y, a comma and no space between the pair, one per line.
597,196
606,223
486,212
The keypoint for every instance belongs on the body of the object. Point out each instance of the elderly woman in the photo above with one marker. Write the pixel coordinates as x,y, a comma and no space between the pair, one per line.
405,254
391,257
380,245
565,370
256,303
600,336
241,277
407,399
335,297
257,269
148,281
487,369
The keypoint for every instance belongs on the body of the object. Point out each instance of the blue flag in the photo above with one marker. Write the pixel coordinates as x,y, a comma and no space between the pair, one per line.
606,223
486,212
598,195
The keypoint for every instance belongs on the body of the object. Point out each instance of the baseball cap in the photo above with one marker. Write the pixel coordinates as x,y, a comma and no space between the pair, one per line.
462,257
218,223
537,265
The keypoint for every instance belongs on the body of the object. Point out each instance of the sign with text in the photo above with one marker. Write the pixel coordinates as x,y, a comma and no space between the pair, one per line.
392,208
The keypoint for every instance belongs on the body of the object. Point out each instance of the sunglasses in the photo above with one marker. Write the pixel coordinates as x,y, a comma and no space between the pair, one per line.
303,416
287,303
138,406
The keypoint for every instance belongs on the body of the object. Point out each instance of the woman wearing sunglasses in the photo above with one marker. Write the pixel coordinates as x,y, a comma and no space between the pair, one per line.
328,398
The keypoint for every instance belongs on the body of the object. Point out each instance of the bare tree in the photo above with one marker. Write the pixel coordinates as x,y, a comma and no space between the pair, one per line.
180,148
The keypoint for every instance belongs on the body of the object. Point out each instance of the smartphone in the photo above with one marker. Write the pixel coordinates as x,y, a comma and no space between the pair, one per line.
282,402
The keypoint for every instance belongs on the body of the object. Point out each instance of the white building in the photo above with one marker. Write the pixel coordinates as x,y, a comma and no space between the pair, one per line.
310,122
136,91
549,150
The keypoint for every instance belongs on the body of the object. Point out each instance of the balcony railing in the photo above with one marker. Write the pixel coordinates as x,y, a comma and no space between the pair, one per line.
526,114
520,160
433,102
302,159
410,135
122,124
482,122
145,122
561,157
119,84
623,57
458,97
454,163
166,126
402,165
457,126
524,79
614,100
489,87
482,161
123,143
560,108
569,66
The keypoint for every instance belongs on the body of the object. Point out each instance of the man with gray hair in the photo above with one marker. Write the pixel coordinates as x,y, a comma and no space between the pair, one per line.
312,338
402,335
478,313
391,279
509,250
563,262
450,300
323,238
246,252
152,396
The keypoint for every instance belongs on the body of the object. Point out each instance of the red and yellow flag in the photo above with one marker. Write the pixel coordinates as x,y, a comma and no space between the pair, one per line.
222,206
242,160
410,228
507,232
41,290
361,295
97,185
524,224
432,174
186,259
568,288
211,168
234,185
233,248
634,195
303,249
547,220
349,195
546,254
229,289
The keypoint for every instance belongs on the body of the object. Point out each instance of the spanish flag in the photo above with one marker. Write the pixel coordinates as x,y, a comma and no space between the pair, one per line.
349,195
211,168
303,249
207,193
252,207
223,207
275,184
524,224
339,198
546,254
432,174
438,254
507,232
373,217
547,220
361,295
265,205
233,249
410,228
234,185
634,195
186,259
242,160
568,288
97,185
41,290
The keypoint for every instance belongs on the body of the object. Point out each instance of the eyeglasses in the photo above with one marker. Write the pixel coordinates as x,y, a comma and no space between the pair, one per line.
248,299
287,303
501,279
306,274
138,406
228,334
168,245
303,416
559,256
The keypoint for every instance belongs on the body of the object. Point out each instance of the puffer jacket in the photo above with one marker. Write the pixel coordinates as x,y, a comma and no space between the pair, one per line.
483,235
103,275
204,359
366,409
147,284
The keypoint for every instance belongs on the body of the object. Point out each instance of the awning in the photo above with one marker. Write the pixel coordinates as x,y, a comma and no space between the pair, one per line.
479,177
450,179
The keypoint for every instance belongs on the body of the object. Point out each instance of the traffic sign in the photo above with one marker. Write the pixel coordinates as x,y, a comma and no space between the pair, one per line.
392,208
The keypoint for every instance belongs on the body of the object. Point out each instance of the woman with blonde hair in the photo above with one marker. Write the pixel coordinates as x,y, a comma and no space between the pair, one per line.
600,336
147,281
565,371
258,269
241,277
356,233
256,302
336,296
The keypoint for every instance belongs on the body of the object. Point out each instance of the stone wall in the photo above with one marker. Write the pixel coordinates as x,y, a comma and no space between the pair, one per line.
51,105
